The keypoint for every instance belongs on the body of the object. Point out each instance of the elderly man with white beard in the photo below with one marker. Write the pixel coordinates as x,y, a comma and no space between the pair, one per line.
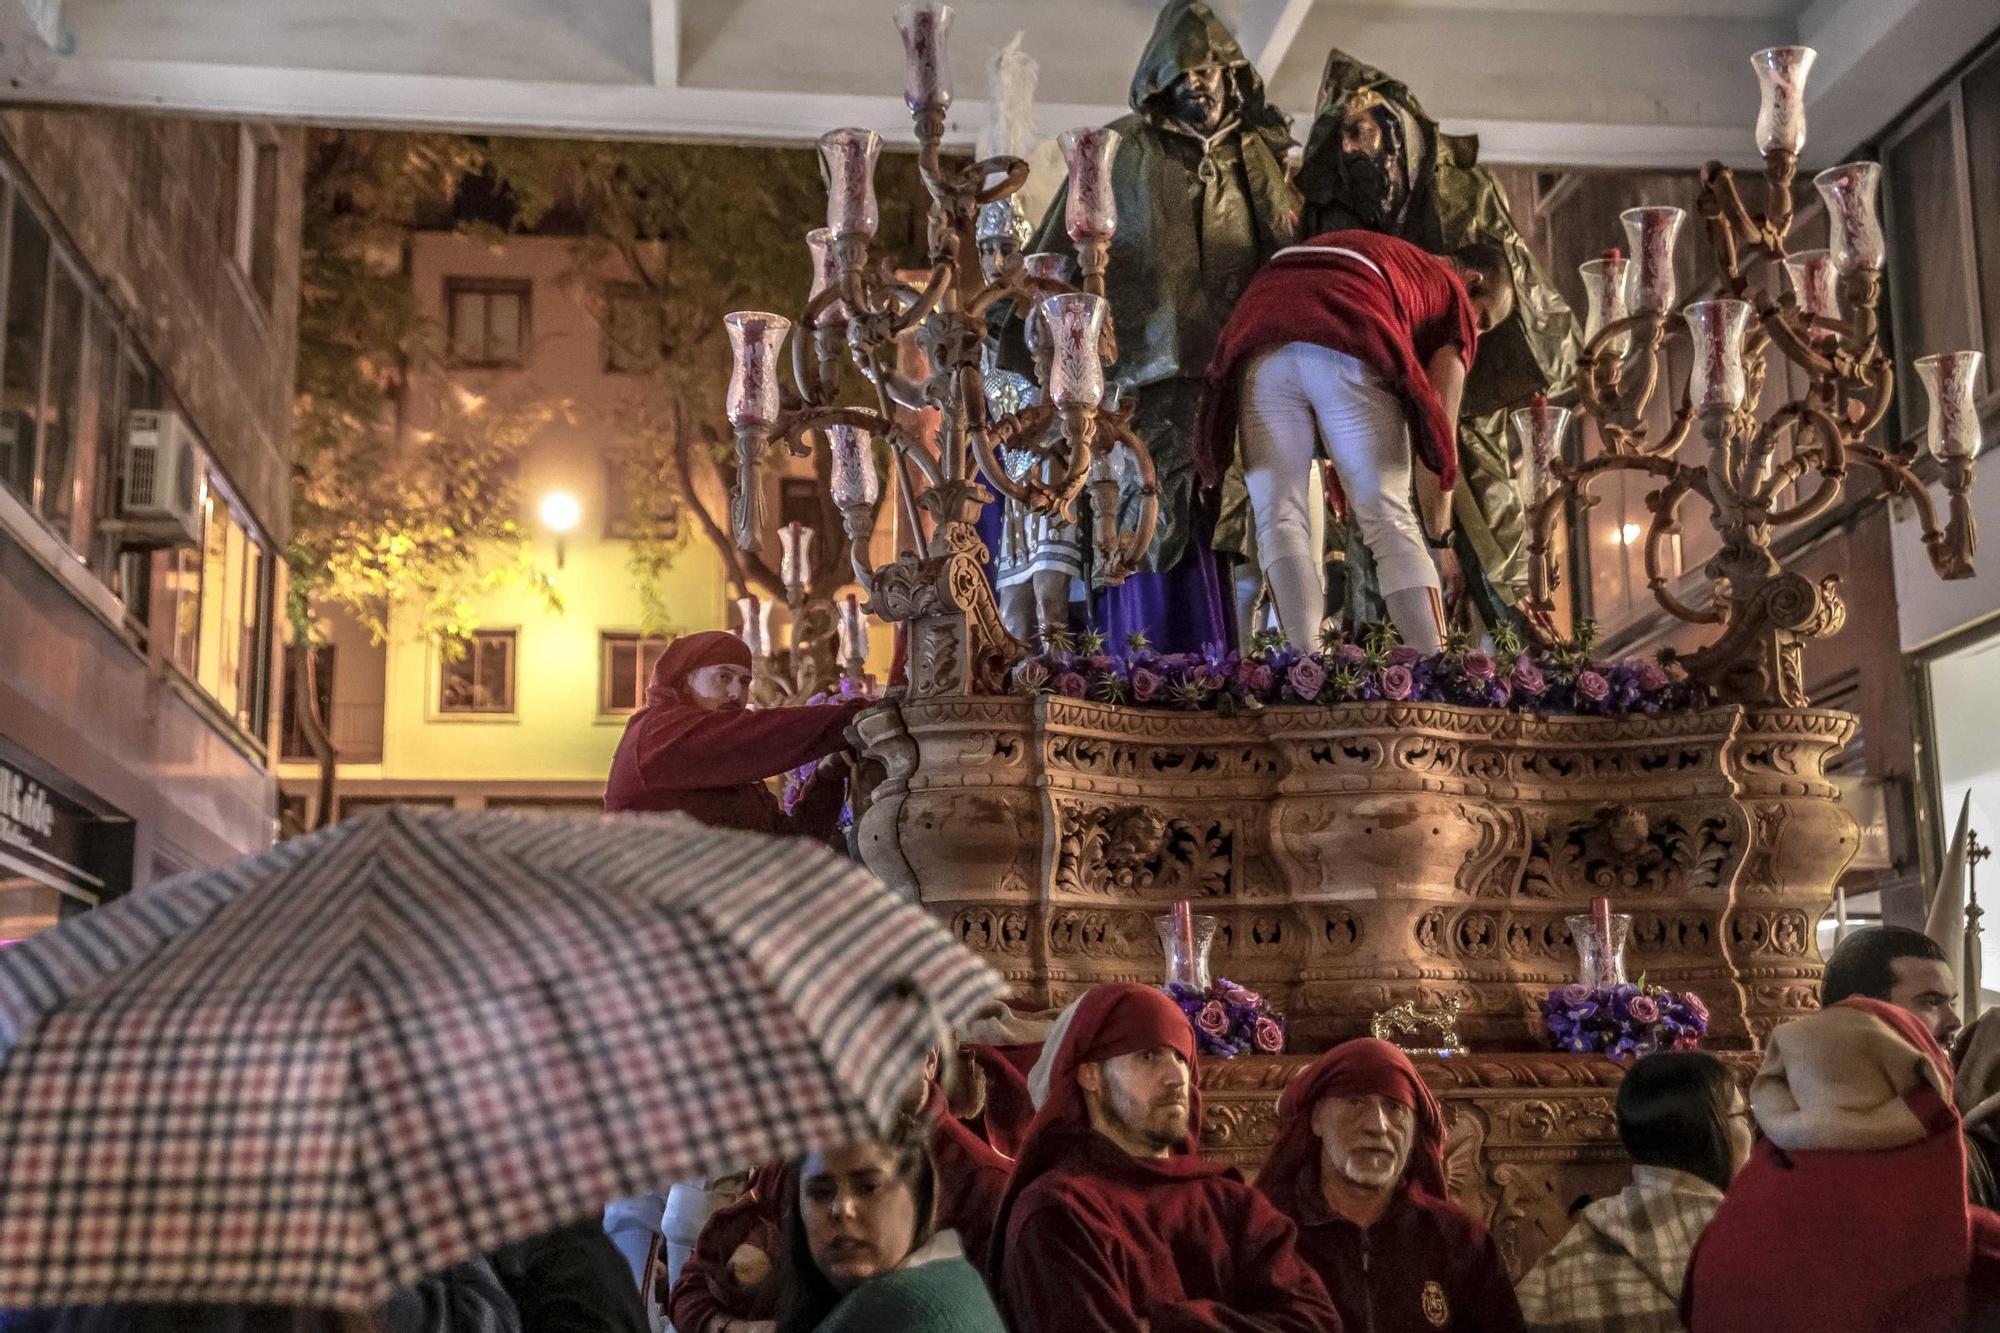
1359,1165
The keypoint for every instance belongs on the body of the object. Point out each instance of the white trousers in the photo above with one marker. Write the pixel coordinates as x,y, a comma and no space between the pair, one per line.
1295,398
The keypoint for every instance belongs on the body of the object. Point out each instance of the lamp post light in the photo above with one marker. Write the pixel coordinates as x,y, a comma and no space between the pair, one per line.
560,512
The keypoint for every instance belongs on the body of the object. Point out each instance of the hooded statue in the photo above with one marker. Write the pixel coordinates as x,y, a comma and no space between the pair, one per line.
1374,160
1200,207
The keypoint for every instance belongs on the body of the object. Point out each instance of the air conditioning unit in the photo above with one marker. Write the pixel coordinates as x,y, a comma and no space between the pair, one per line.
160,501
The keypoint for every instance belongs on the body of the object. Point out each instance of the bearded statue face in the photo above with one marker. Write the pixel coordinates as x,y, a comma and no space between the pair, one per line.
1374,161
1203,99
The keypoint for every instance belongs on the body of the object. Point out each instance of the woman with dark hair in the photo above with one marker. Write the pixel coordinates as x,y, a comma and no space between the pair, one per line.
864,1252
1621,1266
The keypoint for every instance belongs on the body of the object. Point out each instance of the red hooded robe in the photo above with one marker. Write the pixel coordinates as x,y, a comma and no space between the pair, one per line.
1093,1240
1425,1264
711,763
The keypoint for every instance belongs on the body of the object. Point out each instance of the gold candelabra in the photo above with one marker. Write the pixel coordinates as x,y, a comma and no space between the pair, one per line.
1827,325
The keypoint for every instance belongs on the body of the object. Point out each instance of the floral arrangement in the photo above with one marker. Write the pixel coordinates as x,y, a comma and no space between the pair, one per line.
1373,666
795,781
1624,1021
1229,1020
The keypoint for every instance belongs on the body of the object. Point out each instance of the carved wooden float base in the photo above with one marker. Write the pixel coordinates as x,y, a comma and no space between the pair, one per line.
1527,1134
1367,854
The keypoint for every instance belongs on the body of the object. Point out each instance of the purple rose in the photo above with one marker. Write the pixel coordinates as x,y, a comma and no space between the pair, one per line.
1306,677
1212,1019
1403,655
1072,685
1574,994
1592,686
1350,653
1478,665
1528,678
1644,1009
1269,1037
1145,684
1395,681
1098,661
1651,676
1258,678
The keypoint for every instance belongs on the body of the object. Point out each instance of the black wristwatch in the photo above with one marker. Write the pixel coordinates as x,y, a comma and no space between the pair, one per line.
1441,543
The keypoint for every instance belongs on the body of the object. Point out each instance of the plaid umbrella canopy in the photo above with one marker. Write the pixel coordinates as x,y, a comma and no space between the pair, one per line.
318,1073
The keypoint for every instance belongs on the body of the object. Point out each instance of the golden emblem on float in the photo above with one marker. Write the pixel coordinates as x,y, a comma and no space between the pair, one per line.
1435,1308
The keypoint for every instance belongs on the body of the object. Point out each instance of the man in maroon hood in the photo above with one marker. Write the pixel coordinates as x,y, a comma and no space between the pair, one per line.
695,748
1359,1165
1111,1222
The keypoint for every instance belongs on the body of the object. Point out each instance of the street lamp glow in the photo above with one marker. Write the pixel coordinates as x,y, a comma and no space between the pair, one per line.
561,511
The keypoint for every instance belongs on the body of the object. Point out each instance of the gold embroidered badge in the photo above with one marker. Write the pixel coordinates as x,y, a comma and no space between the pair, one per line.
1435,1308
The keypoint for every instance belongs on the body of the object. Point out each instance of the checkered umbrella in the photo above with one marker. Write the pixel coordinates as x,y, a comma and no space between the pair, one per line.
316,1074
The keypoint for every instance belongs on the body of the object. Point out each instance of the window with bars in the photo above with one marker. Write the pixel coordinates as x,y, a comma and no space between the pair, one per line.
481,678
626,666
487,321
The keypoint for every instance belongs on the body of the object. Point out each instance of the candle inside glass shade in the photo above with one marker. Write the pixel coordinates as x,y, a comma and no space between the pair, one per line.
1649,235
1538,432
756,630
1076,374
847,161
1092,212
926,71
1717,379
1781,87
1815,282
1854,231
1607,288
853,629
795,543
1182,912
754,339
1951,381
854,479
1046,266
826,273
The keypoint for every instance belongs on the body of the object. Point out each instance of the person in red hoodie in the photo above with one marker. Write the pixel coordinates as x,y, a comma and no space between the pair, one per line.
695,748
1359,1166
1357,342
1111,1222
1851,1214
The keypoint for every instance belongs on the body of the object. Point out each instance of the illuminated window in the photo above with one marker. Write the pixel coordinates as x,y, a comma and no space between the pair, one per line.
486,321
627,662
481,678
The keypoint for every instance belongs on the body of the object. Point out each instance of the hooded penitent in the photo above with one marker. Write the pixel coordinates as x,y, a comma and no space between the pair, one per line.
1089,1237
711,763
1851,1215
1375,160
1424,1264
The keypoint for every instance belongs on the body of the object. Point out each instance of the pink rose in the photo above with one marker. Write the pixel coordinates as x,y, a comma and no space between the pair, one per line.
1478,665
1306,677
1209,678
1695,1005
1644,1009
1575,993
1395,682
1651,676
1268,1037
1145,684
1213,1019
1072,685
1098,661
1350,653
1591,686
1403,655
1528,678
1260,677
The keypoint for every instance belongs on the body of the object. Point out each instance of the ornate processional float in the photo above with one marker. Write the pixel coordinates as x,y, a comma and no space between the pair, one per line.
1370,831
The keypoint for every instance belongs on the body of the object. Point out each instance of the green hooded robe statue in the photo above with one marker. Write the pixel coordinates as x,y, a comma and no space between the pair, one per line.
1374,160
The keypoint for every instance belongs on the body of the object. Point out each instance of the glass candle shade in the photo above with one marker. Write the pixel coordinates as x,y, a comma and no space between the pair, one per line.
795,544
1600,947
826,272
1185,939
1717,379
755,336
1046,266
853,627
854,479
1076,374
1092,213
847,161
1607,288
1951,381
1649,235
926,71
1539,431
1815,282
756,630
1781,86
1854,230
